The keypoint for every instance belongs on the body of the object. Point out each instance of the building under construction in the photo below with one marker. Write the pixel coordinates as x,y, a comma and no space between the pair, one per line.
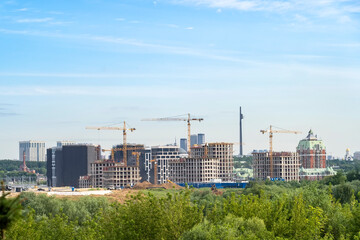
116,172
206,163
285,166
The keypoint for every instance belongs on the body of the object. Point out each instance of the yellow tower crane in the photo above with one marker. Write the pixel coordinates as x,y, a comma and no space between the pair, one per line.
271,132
124,129
188,120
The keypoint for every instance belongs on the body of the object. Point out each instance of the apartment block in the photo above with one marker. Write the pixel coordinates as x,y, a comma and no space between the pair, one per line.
185,170
285,165
34,151
221,151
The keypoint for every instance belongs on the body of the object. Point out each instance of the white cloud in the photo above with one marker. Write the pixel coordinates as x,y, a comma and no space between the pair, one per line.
219,10
189,28
120,19
22,10
34,20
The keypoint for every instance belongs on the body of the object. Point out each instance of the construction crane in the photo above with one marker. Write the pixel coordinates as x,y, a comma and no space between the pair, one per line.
188,120
271,132
137,154
113,150
124,129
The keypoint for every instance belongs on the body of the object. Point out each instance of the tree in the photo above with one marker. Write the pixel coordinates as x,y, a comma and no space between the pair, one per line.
10,211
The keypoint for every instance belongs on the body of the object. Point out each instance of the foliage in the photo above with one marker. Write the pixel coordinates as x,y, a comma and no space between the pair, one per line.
9,211
243,162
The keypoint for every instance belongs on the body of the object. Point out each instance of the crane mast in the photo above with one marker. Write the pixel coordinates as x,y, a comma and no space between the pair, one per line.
124,129
271,133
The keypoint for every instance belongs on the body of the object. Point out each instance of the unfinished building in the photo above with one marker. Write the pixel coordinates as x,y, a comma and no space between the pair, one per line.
207,162
221,151
285,165
186,170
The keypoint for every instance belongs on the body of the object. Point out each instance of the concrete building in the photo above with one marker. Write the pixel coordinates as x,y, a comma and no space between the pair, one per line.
207,162
34,151
285,166
54,167
59,144
189,170
70,162
183,143
201,139
161,155
357,155
223,152
312,152
193,140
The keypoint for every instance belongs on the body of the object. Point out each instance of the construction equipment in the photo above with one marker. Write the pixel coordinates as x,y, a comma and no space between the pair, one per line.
124,129
137,157
113,150
155,169
271,132
188,120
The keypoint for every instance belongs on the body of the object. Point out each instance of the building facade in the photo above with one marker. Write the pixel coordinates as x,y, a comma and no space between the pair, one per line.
221,151
201,139
190,170
34,151
314,174
68,163
312,152
285,166
183,143
193,140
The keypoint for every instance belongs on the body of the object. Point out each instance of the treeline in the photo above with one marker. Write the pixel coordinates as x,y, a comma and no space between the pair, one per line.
328,209
11,168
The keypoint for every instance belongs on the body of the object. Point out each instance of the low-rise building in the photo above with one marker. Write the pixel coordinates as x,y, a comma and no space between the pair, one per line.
313,174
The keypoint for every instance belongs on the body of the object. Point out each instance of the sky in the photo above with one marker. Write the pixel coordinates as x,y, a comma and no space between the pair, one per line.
66,65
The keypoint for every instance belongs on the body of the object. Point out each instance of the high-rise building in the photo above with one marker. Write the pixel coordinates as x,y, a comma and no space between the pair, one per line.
193,140
183,143
312,152
59,144
201,139
221,151
161,155
285,166
69,163
34,151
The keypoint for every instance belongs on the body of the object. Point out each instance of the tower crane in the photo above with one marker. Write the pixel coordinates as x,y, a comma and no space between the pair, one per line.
271,132
113,150
124,129
188,120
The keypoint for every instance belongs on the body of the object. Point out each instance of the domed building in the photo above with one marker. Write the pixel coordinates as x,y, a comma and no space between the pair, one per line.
312,152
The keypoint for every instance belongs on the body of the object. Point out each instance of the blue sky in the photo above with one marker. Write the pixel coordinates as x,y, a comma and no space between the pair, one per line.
66,65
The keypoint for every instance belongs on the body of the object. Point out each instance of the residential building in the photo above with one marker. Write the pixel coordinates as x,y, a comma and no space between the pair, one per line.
186,170
285,166
223,152
59,144
312,152
70,162
160,156
34,151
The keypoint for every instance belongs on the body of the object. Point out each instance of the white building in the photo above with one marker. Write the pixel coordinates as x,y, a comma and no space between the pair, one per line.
59,144
34,151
